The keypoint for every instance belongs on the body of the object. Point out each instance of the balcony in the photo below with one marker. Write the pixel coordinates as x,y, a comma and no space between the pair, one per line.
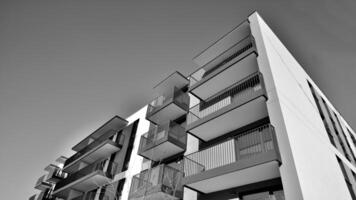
100,148
88,178
236,106
42,183
250,157
163,141
224,63
168,107
114,124
44,195
159,183
55,173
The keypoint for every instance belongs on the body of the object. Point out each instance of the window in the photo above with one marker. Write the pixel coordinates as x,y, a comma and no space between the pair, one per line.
330,135
347,180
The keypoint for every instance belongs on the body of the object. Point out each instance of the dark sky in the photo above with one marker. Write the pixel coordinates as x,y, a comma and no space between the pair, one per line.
68,66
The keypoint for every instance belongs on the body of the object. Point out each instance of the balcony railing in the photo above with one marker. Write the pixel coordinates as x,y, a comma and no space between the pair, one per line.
94,144
44,195
106,166
237,51
235,94
177,96
161,182
56,174
42,183
243,147
60,174
33,197
171,132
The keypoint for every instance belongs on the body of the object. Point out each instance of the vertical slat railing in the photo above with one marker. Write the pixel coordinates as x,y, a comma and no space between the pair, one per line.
244,146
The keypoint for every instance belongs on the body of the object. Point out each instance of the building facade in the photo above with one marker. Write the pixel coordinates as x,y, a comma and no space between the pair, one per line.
249,124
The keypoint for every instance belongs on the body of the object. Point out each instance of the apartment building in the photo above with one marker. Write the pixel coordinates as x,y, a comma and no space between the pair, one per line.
249,124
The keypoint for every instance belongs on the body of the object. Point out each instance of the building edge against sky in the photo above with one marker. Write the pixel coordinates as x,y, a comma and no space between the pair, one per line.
305,150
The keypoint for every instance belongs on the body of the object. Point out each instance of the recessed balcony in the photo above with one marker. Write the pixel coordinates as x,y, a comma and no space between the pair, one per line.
88,178
250,157
235,107
42,183
159,183
100,148
168,107
236,59
163,141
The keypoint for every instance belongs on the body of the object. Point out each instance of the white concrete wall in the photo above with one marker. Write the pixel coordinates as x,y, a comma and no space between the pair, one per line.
135,164
309,168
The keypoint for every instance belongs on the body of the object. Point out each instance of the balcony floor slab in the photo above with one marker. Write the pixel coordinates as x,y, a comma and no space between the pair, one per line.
233,175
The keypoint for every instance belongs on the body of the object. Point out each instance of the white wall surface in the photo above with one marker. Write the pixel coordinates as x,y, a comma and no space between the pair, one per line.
135,164
309,168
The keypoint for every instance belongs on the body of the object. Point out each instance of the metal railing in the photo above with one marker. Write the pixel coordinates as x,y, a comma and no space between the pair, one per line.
242,146
162,178
246,44
235,94
177,96
59,174
44,195
107,136
108,167
42,181
162,132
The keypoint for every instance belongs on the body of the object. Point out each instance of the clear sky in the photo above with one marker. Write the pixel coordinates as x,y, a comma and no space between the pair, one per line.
68,66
